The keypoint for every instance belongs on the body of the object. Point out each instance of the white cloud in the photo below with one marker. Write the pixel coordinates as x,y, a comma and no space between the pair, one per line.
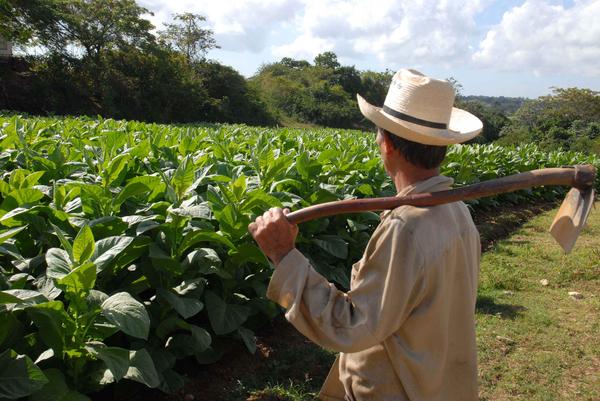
545,38
396,33
239,25
538,37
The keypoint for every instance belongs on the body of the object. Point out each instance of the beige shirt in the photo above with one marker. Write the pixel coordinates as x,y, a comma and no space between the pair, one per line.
406,328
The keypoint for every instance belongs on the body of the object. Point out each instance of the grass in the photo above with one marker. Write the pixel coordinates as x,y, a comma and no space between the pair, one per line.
535,342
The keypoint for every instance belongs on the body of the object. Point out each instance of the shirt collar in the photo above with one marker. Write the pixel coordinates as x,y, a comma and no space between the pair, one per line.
433,184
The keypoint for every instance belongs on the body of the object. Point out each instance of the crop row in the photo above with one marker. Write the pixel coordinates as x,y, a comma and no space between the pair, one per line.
124,246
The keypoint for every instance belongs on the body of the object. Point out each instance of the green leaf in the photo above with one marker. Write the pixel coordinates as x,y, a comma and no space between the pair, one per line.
193,287
115,358
53,323
115,167
17,177
32,179
224,318
19,376
248,338
171,381
196,211
6,298
130,190
203,261
80,280
27,298
154,183
183,177
366,189
232,222
63,239
201,338
24,197
128,314
83,246
333,245
6,234
57,389
11,330
259,199
96,297
107,249
5,189
246,253
141,368
7,218
194,237
186,307
164,262
107,226
59,264
302,165
238,187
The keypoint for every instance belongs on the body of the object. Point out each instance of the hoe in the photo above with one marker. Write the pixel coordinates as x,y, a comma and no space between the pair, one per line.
565,228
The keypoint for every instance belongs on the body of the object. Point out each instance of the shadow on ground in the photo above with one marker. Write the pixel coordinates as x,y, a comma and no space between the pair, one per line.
488,305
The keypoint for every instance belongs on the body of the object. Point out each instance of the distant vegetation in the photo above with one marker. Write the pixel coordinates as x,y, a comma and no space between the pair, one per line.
567,119
502,104
322,93
102,58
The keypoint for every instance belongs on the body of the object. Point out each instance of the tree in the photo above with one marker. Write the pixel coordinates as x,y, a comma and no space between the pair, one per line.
291,63
327,60
97,25
492,119
69,26
457,86
375,85
187,36
565,119
25,21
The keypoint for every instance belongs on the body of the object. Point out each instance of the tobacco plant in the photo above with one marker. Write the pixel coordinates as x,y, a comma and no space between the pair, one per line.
124,246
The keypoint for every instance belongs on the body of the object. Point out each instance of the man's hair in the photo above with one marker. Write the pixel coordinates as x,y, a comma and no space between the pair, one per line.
424,156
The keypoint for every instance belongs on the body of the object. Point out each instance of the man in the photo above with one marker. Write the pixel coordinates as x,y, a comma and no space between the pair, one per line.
405,330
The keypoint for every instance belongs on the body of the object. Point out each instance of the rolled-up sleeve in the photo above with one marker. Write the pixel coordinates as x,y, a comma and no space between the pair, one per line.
387,283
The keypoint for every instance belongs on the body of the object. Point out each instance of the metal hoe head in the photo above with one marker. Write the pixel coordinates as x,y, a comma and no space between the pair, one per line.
571,217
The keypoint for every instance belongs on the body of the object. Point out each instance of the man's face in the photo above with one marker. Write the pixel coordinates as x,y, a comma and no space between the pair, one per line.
379,140
384,157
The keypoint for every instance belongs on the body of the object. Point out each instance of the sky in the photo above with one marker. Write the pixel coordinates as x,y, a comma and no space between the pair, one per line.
492,47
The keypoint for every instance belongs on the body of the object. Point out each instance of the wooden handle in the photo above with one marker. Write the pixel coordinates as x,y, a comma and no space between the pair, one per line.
581,176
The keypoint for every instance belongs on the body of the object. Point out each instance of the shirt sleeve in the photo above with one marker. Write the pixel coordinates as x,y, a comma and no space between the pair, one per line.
389,281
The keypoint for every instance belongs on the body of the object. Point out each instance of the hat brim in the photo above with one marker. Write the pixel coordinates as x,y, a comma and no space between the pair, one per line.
462,126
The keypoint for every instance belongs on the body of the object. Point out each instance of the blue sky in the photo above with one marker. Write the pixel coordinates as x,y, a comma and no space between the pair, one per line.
509,48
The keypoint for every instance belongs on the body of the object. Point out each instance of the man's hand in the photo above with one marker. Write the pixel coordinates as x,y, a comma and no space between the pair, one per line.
275,235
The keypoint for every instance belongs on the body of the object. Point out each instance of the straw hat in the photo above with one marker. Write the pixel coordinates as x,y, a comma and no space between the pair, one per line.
419,108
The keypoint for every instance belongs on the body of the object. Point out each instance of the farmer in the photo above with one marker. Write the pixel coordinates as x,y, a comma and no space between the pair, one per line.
406,329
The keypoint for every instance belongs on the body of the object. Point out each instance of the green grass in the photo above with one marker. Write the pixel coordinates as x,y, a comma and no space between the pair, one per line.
535,342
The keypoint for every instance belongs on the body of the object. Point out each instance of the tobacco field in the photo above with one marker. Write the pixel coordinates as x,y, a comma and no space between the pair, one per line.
124,246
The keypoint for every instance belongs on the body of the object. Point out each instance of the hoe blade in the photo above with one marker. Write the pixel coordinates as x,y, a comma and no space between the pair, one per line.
571,217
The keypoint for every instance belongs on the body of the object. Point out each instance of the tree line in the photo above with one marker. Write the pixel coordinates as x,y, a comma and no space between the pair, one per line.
102,57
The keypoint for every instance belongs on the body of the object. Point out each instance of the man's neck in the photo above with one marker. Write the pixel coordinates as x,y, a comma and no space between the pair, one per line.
407,177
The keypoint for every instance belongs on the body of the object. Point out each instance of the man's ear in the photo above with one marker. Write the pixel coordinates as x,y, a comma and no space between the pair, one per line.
387,146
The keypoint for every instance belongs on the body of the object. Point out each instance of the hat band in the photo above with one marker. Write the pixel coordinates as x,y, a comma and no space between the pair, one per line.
414,120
